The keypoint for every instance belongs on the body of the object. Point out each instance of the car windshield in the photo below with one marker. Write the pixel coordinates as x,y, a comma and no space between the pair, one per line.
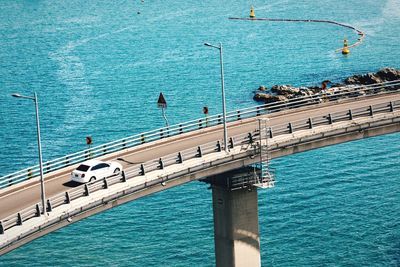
83,168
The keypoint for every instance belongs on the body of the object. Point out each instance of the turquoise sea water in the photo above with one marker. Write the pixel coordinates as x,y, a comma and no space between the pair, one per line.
98,67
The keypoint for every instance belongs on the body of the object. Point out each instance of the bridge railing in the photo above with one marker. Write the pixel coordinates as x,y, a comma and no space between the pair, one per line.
129,173
157,134
331,118
141,170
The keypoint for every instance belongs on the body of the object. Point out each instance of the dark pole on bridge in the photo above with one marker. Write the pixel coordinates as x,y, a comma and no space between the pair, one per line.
162,103
34,98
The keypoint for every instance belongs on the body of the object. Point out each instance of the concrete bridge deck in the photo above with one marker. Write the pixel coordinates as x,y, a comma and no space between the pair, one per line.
19,196
26,194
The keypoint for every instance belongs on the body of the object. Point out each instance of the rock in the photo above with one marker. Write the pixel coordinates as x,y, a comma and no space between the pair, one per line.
383,75
267,98
260,96
262,88
389,74
304,91
337,85
314,89
352,80
285,90
281,98
371,78
368,78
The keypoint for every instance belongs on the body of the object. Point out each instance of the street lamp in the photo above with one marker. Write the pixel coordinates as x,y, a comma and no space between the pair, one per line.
223,92
34,98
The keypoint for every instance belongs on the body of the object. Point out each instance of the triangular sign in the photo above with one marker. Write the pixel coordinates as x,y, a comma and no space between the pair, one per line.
161,101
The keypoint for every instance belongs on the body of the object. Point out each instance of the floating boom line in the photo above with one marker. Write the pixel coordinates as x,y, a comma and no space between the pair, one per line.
359,33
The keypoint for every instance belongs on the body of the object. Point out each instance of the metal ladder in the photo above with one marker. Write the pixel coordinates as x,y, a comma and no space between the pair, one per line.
265,178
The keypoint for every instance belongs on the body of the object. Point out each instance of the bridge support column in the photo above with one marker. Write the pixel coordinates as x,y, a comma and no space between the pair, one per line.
236,232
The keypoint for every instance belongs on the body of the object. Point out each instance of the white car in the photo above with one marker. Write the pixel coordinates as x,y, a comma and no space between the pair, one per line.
93,170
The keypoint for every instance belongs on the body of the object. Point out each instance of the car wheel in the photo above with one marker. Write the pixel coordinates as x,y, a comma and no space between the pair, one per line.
92,179
117,171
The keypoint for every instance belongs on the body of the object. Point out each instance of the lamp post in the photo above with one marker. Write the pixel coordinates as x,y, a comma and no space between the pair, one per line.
34,98
223,92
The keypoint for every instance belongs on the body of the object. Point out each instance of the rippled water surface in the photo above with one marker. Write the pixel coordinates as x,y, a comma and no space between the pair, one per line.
98,67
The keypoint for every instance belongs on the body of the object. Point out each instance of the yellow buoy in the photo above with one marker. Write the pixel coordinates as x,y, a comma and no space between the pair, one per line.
252,15
345,49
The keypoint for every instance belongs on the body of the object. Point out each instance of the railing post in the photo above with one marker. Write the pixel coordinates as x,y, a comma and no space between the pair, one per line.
271,135
180,128
19,219
219,146
180,158
66,161
310,123
142,139
37,210
47,167
330,120
67,198
219,119
123,176
290,127
200,124
160,164
238,115
258,111
391,106
1,228
88,153
123,143
199,152
250,136
142,171
49,206
231,144
105,183
87,190
161,133
371,111
350,115
104,149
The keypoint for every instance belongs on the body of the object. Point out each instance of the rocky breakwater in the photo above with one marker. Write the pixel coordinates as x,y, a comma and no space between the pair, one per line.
284,93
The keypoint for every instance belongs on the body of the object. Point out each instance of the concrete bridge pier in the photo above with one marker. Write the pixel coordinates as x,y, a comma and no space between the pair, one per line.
236,231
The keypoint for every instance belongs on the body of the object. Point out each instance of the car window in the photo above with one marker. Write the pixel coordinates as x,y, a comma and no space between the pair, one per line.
100,166
83,168
104,165
96,167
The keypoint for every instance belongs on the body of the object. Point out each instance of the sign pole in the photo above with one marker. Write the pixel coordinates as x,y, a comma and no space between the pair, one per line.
161,103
